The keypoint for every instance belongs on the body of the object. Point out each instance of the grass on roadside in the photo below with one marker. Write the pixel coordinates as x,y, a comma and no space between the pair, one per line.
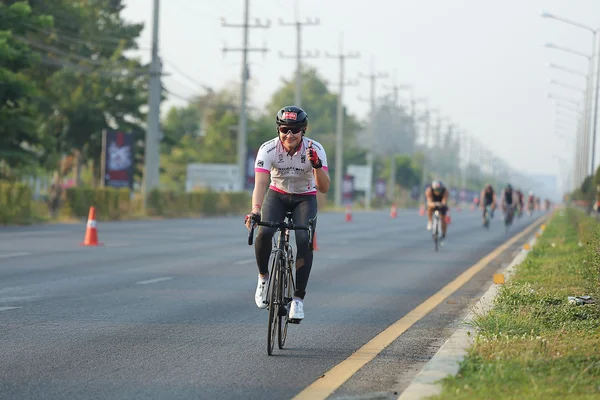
533,344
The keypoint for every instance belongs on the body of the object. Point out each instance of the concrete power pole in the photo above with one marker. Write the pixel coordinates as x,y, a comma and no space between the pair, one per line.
395,89
299,56
339,128
242,132
427,150
371,133
151,145
437,142
467,154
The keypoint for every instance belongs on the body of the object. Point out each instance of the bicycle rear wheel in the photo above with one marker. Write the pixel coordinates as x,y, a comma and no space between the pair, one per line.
287,289
274,294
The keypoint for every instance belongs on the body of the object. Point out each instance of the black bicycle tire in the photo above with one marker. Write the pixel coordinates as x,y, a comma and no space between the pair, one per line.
273,286
436,235
283,323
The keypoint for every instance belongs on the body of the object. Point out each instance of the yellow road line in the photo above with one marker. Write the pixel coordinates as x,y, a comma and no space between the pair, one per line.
335,377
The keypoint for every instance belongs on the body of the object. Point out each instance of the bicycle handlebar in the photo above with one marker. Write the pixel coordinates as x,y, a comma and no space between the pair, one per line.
281,226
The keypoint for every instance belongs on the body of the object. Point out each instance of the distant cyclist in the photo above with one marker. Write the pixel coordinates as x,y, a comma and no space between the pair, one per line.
520,202
436,196
487,198
509,202
296,168
530,202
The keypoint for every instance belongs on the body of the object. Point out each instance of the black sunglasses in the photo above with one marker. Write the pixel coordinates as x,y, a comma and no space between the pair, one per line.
294,129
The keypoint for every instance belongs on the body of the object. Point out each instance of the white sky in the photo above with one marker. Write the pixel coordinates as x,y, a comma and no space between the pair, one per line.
481,62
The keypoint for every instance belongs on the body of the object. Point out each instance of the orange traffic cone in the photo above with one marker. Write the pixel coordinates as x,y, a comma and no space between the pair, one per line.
348,213
394,211
91,233
315,246
422,210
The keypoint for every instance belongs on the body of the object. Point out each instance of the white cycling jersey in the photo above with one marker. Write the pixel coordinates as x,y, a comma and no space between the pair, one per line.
290,173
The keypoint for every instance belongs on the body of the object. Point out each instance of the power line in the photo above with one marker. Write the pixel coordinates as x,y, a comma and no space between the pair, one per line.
97,39
188,77
77,39
178,96
195,10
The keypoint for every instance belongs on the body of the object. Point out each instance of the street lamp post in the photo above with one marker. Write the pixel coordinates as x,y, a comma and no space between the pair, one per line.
597,88
581,149
578,167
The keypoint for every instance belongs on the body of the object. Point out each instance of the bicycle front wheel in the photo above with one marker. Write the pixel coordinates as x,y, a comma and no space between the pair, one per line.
274,295
436,234
288,287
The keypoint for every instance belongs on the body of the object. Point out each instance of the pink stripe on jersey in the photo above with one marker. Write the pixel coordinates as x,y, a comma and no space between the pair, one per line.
266,171
276,189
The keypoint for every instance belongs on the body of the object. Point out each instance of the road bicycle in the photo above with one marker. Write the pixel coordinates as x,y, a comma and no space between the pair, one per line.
436,227
508,216
281,285
487,216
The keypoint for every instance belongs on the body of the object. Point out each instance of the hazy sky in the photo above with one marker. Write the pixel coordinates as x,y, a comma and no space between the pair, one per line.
482,62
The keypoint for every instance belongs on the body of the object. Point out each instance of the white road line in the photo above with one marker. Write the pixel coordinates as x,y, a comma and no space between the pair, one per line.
241,262
7,308
10,255
149,281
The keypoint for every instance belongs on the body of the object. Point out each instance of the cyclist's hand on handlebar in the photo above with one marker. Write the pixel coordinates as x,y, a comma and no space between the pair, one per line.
251,220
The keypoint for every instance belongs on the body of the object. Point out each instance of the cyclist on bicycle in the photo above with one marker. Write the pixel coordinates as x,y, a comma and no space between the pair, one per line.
530,202
487,198
436,196
293,168
520,201
508,201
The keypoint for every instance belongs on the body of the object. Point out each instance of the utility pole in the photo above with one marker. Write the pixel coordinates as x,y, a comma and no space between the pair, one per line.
437,142
151,143
395,89
299,56
429,111
243,125
339,128
467,153
370,156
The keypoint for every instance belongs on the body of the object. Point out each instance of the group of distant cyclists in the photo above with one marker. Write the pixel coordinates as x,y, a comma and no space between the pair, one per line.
512,202
289,171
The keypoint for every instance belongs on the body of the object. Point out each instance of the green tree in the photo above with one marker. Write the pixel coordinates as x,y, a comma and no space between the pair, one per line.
20,142
174,163
203,131
179,123
87,82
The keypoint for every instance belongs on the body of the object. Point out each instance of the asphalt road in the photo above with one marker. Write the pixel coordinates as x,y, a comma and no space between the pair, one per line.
165,309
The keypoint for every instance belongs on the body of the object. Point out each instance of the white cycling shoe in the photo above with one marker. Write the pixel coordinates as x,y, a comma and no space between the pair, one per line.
296,310
260,296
